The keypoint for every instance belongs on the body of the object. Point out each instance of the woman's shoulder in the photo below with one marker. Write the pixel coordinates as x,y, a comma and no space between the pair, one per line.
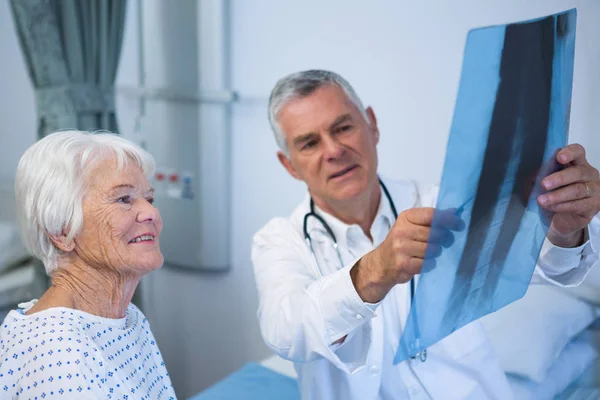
56,333
47,332
47,352
62,330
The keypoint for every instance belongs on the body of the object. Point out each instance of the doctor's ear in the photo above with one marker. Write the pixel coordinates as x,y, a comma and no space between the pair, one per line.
61,243
287,164
373,122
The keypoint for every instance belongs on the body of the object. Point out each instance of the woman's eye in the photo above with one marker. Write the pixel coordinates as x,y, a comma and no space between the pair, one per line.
150,200
125,200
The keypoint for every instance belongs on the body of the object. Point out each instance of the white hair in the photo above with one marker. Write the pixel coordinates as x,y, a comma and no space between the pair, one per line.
51,182
302,84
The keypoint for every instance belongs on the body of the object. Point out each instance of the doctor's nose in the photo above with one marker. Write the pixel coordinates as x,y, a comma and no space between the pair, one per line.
332,149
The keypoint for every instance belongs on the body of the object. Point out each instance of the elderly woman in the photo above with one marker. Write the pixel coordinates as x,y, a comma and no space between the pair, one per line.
85,209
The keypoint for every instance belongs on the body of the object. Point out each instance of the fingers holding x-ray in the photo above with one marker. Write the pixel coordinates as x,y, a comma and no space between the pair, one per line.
573,195
431,231
416,239
420,250
444,224
578,197
449,219
441,236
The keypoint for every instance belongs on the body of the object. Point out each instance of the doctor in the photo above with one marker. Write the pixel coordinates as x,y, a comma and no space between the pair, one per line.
335,278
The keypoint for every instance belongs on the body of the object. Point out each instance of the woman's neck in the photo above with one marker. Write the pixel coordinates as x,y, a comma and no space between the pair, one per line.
100,292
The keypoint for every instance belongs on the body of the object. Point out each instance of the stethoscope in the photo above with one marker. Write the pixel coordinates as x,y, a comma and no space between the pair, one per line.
423,354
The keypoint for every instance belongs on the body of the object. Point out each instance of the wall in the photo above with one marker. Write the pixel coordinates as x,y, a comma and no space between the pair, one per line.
403,58
17,108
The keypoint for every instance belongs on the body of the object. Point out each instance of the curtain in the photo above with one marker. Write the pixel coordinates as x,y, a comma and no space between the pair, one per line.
72,50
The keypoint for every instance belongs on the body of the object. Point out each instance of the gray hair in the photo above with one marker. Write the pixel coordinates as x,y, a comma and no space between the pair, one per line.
51,182
302,84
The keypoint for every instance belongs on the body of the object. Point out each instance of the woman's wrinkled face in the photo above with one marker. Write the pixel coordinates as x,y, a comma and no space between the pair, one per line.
121,227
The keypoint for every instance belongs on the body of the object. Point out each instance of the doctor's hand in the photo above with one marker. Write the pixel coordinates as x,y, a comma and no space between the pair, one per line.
574,197
401,255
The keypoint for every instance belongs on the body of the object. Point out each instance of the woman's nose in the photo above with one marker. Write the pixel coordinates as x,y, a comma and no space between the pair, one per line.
147,212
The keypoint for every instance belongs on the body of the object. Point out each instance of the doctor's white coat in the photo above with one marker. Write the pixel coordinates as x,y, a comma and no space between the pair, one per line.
304,309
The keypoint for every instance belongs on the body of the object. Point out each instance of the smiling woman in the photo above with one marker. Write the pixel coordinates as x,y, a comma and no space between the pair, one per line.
85,209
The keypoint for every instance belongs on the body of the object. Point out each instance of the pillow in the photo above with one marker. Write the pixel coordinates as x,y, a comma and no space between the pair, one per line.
591,376
574,359
529,334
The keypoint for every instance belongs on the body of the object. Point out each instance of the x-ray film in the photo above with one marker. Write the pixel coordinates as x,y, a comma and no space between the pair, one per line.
510,119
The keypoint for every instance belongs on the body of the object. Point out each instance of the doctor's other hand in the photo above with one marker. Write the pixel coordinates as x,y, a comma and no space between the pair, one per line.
574,197
401,255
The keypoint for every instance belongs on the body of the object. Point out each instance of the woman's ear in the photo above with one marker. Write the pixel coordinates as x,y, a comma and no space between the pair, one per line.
61,243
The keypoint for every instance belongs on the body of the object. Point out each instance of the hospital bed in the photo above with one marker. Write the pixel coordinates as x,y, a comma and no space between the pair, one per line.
572,316
275,379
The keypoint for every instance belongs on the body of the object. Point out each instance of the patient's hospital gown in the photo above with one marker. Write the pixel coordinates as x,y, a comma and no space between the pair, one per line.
70,354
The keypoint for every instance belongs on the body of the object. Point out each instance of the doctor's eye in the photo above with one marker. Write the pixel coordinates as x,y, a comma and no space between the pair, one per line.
344,128
309,144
